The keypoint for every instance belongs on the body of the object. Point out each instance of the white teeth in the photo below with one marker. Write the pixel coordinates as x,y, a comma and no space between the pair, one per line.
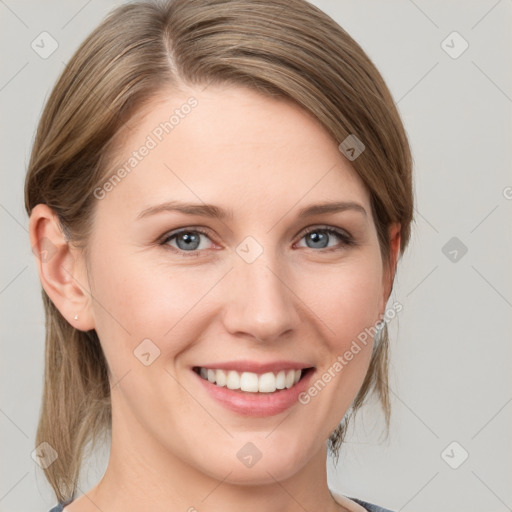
252,382
290,377
249,382
233,380
280,380
267,383
221,377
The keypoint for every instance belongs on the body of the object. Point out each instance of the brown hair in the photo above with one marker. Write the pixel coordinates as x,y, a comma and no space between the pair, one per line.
283,48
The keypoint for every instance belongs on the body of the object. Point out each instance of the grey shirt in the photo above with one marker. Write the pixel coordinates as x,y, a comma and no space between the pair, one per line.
368,506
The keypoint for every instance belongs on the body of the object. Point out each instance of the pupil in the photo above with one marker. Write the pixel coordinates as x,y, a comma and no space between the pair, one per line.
319,238
189,239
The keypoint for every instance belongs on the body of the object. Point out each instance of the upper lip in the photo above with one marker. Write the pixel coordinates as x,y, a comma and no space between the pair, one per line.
255,367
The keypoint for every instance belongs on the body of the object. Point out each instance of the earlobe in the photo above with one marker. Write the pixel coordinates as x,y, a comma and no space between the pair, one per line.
61,268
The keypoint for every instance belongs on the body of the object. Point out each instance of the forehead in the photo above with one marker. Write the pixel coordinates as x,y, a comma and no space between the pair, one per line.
231,145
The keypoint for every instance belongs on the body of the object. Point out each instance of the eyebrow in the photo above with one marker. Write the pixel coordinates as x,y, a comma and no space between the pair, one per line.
210,210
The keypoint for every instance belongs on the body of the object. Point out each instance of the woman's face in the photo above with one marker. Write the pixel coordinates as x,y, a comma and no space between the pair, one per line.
243,284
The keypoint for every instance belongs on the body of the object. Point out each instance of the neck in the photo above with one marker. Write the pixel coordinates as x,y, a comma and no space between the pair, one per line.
143,475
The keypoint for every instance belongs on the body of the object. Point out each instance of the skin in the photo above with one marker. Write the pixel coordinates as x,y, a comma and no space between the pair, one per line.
174,447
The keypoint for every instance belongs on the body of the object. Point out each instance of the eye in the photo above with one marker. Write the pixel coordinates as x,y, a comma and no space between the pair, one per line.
186,240
320,238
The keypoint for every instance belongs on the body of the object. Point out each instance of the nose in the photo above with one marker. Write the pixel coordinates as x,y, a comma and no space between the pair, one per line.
261,303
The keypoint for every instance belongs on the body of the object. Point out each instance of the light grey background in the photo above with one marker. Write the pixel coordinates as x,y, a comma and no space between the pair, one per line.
451,345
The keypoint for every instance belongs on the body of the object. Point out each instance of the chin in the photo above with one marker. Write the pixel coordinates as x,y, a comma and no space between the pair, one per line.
258,463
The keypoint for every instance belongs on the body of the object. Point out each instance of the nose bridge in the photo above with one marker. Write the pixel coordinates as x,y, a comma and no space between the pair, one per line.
260,303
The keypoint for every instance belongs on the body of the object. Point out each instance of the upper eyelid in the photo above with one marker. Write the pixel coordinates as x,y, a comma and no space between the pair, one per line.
191,229
305,231
325,227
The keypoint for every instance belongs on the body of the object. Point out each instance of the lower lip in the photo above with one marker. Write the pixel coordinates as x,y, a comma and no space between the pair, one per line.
257,404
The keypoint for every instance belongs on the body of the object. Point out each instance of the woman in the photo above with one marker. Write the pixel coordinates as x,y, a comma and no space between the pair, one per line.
219,192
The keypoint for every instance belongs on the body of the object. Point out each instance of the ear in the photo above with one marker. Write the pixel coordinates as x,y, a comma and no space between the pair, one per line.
61,268
394,234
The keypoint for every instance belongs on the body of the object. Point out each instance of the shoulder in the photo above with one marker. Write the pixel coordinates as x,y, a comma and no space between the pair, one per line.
370,506
58,508
355,504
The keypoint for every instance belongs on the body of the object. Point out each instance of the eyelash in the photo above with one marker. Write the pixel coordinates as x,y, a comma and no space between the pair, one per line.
347,240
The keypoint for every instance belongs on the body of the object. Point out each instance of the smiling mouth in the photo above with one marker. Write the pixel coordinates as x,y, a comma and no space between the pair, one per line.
249,382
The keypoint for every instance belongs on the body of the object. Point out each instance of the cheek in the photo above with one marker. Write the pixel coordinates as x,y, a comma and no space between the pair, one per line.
348,303
347,299
134,302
